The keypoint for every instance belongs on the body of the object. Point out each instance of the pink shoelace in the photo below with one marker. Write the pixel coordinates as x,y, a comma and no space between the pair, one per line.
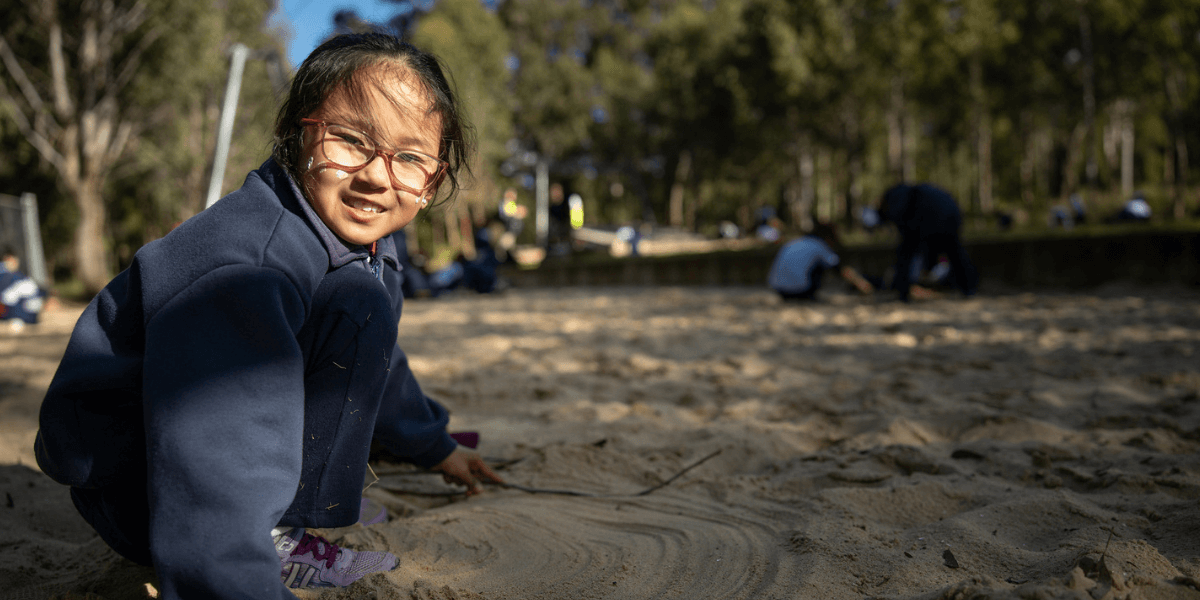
312,543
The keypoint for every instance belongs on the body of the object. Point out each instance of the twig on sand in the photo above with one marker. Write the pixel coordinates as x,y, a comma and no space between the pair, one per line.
1111,531
678,475
533,490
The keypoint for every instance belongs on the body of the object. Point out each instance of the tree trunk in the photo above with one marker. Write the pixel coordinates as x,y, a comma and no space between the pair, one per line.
1075,150
910,147
802,210
465,233
691,208
983,138
454,239
895,120
82,182
854,189
1028,158
853,143
984,157
1181,156
71,116
1178,161
1092,169
682,172
824,185
91,255
1127,150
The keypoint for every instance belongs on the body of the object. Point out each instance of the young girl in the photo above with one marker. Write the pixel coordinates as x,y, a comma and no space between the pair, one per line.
222,394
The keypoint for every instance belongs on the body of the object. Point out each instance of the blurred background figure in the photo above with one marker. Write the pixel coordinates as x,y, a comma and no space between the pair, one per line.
21,299
768,225
1069,216
929,222
627,239
479,273
559,237
1077,209
575,210
415,282
1136,210
512,213
800,265
507,226
869,217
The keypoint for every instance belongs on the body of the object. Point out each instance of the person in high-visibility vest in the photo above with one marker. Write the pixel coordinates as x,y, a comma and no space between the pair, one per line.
575,202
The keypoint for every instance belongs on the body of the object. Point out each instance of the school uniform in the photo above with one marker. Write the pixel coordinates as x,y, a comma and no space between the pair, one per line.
20,297
231,380
798,267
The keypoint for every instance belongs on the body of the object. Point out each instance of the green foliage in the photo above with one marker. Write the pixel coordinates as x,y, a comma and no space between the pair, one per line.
473,44
172,103
180,90
811,106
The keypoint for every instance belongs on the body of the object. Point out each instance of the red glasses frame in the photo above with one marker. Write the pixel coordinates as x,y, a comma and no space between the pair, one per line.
432,180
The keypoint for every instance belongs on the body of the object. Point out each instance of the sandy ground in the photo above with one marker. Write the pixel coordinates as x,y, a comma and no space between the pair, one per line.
1034,445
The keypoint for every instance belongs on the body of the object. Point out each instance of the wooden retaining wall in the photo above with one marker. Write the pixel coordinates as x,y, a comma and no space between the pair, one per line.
1070,262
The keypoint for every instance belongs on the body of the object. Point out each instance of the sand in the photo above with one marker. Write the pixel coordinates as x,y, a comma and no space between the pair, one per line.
1013,445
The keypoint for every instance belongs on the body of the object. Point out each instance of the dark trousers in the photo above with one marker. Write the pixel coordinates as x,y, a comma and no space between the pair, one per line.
966,278
346,344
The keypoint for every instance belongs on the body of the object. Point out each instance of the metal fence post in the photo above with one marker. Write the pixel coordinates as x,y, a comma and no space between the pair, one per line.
233,87
35,257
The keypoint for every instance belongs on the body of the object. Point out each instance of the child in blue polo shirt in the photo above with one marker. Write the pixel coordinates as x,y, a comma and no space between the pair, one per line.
21,299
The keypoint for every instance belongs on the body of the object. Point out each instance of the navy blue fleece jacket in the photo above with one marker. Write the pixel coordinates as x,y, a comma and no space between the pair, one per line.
187,364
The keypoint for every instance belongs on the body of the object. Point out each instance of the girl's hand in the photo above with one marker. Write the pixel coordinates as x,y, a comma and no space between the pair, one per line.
465,467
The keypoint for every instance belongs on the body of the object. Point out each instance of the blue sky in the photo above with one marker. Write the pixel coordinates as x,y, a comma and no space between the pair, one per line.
309,22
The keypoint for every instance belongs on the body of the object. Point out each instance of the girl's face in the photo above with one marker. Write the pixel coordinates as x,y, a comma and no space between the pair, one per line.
363,206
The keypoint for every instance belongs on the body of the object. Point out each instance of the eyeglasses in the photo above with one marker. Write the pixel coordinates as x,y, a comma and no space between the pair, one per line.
350,150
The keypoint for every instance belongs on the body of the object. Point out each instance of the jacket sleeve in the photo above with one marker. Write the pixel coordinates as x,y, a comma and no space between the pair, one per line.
223,404
410,424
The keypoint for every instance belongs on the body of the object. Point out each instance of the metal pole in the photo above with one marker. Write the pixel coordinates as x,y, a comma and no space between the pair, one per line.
542,188
233,88
35,257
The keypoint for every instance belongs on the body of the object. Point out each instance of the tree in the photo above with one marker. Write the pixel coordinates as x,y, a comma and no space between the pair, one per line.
164,175
67,102
99,89
472,43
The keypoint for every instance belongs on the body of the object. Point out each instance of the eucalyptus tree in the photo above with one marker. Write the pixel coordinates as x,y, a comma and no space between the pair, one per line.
1146,81
471,41
965,57
699,103
623,144
66,72
85,82
551,86
165,174
1173,68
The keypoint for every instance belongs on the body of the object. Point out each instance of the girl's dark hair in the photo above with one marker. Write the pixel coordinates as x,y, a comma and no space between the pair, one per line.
337,64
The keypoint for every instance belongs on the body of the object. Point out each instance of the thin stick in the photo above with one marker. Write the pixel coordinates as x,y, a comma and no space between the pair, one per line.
372,475
678,475
1110,537
533,490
